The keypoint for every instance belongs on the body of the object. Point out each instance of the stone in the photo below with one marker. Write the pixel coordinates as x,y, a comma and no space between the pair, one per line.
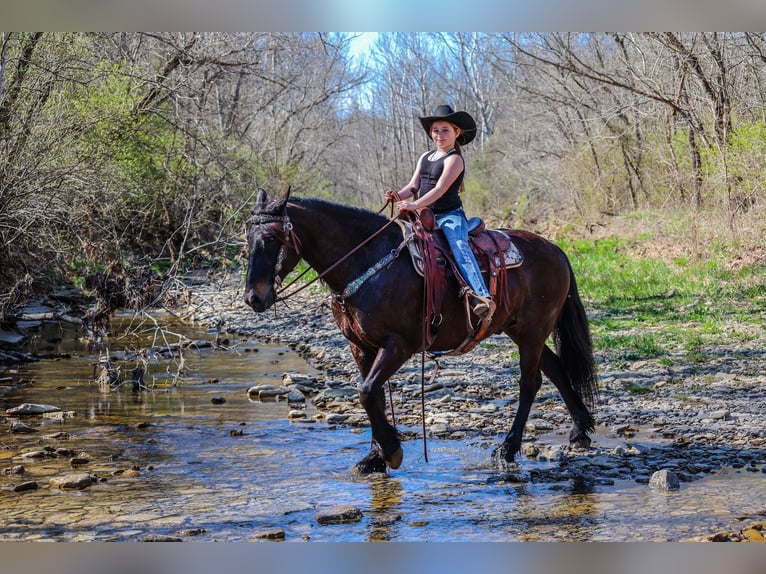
21,428
11,339
339,515
72,481
295,396
37,313
753,535
32,409
25,486
664,480
274,534
161,538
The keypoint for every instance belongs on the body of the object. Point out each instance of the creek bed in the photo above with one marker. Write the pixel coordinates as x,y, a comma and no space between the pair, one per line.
170,461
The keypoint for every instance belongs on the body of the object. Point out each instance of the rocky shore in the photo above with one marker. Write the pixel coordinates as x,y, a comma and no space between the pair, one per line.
687,419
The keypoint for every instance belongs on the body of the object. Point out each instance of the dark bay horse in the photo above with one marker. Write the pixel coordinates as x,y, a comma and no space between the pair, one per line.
377,301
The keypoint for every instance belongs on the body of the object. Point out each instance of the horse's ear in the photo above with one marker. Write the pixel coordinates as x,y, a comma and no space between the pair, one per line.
281,203
262,198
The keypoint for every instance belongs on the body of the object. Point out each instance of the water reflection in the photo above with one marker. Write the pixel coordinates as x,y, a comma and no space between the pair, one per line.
385,508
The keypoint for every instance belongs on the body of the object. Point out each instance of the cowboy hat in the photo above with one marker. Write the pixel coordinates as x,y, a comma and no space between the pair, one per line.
463,120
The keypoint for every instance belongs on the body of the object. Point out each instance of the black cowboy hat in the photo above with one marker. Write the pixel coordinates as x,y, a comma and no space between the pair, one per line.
463,120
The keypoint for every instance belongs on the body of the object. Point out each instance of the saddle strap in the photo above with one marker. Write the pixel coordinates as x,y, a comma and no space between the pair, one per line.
434,277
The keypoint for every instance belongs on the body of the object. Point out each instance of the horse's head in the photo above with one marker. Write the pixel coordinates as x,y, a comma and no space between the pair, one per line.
273,250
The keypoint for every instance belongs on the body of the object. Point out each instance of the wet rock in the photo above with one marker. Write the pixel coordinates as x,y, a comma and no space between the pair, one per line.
276,534
21,428
15,469
192,531
39,454
160,538
295,396
296,414
664,480
326,395
218,400
337,418
61,435
301,379
11,339
32,409
37,312
72,481
25,486
131,472
339,515
266,392
80,460
754,534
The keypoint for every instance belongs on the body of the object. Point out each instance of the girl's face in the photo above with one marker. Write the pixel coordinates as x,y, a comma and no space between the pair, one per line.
444,134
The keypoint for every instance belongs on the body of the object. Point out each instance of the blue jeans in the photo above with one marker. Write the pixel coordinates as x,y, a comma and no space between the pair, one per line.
455,228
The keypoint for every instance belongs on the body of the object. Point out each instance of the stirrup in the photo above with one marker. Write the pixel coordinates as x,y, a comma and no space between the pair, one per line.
483,308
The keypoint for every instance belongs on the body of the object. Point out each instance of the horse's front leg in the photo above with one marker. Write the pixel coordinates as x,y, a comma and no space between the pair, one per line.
529,383
385,363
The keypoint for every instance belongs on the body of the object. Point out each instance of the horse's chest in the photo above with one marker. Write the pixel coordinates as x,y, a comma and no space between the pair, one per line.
357,326
348,321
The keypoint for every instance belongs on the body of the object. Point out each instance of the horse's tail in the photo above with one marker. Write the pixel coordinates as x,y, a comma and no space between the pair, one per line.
574,347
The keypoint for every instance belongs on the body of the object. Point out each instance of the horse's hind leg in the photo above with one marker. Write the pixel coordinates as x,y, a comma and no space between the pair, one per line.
581,417
529,362
376,369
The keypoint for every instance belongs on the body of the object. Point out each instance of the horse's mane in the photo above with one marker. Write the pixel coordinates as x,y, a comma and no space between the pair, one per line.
355,219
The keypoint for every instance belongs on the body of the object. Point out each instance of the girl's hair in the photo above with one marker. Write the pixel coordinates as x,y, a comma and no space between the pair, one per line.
459,151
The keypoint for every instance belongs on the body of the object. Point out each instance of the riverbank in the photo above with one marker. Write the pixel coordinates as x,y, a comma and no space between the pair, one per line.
689,418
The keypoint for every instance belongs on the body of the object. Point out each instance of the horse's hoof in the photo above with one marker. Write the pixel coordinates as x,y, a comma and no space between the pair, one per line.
581,441
502,455
395,461
373,462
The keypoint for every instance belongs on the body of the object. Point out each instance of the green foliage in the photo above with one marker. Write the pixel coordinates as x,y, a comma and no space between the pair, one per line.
643,307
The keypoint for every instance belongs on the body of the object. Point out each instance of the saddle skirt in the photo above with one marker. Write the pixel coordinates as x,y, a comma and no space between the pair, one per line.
488,245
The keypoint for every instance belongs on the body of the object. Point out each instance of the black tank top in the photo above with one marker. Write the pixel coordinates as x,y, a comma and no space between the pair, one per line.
430,172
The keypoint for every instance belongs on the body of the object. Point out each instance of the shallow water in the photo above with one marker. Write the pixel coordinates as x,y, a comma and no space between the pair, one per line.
197,481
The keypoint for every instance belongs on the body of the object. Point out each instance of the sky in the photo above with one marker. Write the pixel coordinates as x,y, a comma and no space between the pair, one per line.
360,45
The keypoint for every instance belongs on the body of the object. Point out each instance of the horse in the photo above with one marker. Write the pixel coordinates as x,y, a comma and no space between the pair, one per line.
377,302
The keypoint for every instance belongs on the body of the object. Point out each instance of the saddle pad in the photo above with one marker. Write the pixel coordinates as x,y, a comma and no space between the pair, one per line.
492,242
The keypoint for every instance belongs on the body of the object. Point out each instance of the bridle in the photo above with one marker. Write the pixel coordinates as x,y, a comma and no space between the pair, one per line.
287,238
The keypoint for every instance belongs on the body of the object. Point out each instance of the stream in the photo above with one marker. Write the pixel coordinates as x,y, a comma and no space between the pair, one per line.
193,457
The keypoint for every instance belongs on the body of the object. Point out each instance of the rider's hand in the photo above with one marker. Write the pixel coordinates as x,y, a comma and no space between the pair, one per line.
392,196
404,206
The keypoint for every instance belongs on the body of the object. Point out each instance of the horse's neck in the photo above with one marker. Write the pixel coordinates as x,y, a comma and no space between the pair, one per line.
327,237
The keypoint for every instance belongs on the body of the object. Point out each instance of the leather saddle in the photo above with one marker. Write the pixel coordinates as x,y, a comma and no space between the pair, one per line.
492,248
431,257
